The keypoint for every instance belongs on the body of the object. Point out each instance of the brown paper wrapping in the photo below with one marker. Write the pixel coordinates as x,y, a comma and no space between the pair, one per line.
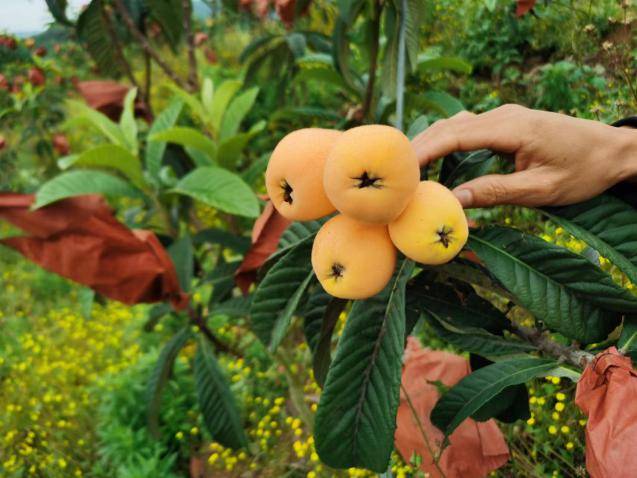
80,239
266,233
107,97
607,394
476,448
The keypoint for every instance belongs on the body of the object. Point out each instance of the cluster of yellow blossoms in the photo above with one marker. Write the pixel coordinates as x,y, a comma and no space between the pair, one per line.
51,366
555,431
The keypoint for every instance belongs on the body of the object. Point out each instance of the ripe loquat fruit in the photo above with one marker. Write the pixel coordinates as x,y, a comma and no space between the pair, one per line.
433,228
371,173
352,259
294,176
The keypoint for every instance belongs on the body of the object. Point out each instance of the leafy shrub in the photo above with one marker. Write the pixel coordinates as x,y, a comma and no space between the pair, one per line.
568,87
126,447
547,61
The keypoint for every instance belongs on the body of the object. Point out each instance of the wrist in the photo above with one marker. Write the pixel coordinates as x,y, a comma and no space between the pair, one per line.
626,154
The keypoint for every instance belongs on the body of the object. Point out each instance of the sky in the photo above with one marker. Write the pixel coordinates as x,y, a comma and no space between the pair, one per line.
29,16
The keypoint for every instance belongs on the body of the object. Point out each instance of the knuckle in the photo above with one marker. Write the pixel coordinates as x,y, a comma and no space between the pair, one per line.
439,124
510,108
495,192
462,115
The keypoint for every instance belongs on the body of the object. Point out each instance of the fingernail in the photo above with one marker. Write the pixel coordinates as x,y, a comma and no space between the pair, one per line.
465,196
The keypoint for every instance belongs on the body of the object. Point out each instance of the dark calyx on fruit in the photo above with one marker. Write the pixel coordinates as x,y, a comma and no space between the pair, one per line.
337,270
287,192
444,234
366,180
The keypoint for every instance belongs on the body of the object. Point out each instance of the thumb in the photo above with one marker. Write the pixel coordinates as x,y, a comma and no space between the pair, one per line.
522,189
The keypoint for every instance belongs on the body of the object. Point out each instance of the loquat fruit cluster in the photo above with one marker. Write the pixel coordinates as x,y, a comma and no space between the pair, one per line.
371,177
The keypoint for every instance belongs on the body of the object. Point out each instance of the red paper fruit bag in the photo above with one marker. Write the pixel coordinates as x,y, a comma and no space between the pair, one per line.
79,238
607,394
476,447
266,233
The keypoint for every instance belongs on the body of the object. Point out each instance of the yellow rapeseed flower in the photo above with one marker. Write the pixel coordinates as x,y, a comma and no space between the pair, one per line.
553,430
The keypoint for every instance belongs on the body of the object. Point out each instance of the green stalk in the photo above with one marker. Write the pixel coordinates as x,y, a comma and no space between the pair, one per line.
400,69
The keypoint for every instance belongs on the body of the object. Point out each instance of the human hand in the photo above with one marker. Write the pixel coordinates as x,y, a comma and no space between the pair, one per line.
559,159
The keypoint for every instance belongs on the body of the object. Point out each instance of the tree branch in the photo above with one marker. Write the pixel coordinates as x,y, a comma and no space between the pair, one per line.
400,73
119,52
571,355
198,320
190,41
373,59
148,71
143,41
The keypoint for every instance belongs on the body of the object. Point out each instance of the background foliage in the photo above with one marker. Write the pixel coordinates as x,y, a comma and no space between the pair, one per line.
94,388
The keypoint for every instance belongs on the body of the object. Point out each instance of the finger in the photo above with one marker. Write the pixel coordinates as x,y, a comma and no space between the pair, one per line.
464,114
500,130
439,125
525,188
